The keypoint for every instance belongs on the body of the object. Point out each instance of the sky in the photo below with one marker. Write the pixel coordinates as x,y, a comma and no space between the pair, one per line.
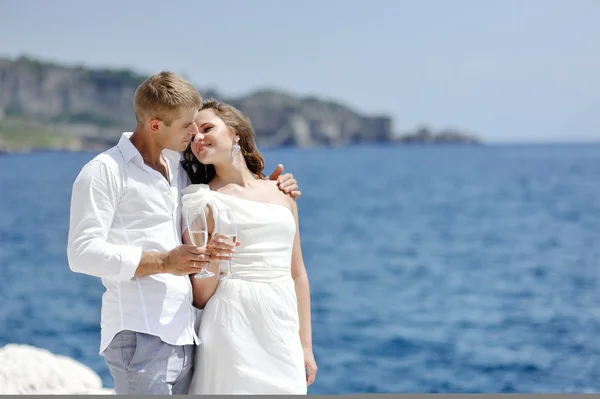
505,70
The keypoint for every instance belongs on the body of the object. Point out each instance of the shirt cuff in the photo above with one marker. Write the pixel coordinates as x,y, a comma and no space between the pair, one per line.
130,260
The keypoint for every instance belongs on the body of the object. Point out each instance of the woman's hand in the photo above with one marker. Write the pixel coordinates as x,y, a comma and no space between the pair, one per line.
220,247
310,365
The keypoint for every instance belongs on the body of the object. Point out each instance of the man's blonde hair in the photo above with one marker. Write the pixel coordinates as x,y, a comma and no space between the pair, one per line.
162,95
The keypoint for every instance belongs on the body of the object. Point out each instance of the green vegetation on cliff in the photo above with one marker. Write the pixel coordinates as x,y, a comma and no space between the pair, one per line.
48,105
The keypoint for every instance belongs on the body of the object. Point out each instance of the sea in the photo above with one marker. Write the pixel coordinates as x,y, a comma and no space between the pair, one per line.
433,269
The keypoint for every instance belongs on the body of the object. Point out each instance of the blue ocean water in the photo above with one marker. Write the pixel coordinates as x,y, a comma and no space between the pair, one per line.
432,269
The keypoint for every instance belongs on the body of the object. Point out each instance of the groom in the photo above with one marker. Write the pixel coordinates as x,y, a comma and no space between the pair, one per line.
125,228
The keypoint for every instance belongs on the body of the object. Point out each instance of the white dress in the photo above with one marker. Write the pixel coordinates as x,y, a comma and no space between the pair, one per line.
249,329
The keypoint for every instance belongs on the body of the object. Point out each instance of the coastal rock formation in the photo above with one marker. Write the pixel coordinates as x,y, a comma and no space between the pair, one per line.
97,105
426,136
51,106
28,370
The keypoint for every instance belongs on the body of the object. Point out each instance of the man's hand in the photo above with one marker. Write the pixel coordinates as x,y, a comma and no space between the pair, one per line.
286,183
185,259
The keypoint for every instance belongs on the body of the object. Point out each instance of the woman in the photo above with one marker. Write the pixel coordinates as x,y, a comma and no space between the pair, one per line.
255,328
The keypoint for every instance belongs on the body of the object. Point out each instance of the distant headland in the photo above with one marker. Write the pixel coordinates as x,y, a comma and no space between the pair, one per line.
48,106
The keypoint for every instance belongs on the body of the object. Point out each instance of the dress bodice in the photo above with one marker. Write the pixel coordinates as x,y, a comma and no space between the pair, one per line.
265,232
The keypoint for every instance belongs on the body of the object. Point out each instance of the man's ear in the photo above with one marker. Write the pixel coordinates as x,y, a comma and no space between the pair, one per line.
154,124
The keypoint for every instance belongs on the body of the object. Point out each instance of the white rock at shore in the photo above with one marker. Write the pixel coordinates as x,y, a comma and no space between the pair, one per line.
26,369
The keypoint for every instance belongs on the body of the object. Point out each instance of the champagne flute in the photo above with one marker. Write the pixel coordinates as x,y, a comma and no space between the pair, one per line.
226,224
195,219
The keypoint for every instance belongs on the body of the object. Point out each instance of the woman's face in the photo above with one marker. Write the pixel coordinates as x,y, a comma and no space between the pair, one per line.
213,144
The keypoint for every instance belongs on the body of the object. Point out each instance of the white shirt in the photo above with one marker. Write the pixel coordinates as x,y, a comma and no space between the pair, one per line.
119,208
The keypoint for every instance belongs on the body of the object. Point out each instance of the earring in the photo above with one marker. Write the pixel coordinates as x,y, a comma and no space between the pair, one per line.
205,172
236,146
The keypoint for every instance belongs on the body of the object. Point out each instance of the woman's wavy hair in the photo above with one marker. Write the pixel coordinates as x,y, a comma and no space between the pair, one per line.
241,126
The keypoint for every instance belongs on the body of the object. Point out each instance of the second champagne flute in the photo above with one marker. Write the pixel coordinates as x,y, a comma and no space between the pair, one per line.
226,224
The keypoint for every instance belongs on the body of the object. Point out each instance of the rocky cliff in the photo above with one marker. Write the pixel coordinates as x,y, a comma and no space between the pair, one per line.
50,106
97,105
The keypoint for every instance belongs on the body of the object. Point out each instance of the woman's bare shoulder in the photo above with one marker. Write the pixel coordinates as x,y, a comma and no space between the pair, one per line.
277,195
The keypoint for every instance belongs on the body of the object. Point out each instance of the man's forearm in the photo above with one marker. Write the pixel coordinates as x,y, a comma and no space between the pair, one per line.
152,263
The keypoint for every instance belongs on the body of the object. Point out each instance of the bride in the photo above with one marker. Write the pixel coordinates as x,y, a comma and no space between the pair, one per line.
255,327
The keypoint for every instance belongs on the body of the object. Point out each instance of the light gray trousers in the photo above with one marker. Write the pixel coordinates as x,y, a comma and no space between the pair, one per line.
143,364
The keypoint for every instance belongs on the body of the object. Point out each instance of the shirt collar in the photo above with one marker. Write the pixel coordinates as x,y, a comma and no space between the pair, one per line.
129,151
126,147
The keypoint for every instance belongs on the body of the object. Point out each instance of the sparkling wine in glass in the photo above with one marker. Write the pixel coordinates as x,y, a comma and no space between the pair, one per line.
195,219
226,224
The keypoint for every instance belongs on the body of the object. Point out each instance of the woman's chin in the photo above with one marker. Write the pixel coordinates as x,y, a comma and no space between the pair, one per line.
204,160
208,157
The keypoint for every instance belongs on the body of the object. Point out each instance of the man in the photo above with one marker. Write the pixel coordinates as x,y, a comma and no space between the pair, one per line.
125,229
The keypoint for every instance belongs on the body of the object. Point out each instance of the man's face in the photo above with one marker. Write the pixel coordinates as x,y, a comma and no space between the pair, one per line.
182,130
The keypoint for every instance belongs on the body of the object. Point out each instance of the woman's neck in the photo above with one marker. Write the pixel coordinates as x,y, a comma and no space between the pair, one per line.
235,173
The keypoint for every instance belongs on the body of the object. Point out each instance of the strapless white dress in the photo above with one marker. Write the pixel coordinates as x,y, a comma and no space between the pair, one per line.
249,329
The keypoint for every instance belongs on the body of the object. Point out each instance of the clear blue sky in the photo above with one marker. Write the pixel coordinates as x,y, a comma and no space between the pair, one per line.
509,70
